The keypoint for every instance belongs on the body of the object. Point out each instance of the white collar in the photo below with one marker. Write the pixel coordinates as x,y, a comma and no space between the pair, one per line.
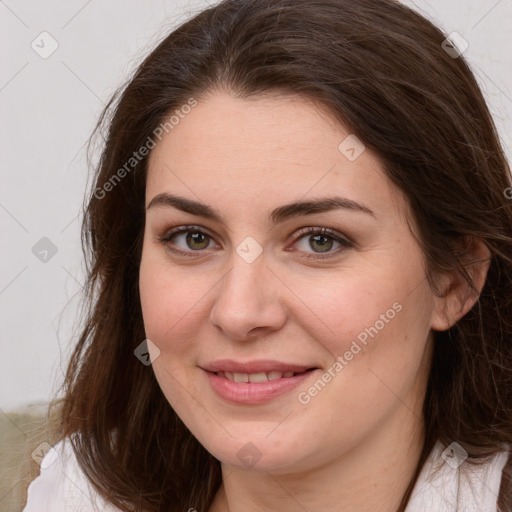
457,486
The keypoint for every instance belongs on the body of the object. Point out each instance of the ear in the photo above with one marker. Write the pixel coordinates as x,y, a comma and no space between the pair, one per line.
457,296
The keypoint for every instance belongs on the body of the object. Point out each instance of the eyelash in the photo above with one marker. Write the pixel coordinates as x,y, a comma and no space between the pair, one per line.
344,241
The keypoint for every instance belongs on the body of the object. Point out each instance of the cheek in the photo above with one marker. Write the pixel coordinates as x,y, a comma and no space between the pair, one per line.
171,309
377,315
343,306
172,303
381,336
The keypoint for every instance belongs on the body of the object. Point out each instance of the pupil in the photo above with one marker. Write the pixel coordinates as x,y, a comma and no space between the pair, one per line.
325,243
193,238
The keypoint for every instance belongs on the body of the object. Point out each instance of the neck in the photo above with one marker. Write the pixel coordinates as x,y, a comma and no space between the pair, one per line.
373,475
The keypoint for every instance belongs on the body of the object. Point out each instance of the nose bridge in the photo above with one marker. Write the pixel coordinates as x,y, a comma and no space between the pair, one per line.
248,268
246,298
245,284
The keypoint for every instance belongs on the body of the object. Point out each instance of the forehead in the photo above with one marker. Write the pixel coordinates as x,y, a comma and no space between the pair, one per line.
266,148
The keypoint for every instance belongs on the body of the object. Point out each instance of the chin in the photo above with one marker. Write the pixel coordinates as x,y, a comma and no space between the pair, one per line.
260,454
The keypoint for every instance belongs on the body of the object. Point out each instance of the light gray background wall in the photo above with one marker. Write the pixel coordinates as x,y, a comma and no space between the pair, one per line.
49,107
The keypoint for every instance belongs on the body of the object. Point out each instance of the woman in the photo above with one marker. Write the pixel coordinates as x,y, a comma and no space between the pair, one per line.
300,275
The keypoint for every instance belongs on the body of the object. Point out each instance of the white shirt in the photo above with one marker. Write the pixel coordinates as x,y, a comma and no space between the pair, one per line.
457,486
62,487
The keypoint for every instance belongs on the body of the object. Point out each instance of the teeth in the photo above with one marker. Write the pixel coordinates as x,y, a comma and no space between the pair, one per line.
255,377
258,377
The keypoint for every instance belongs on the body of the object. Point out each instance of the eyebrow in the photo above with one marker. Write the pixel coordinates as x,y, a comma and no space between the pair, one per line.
277,215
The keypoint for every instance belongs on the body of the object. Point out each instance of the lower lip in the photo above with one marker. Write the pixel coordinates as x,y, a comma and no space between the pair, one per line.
255,392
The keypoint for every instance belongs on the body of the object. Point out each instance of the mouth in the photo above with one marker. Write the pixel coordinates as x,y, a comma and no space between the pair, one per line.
256,387
260,376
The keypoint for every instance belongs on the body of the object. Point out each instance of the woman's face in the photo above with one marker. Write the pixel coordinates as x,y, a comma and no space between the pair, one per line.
235,278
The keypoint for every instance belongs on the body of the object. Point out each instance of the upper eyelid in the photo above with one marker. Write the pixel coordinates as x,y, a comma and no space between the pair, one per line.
179,230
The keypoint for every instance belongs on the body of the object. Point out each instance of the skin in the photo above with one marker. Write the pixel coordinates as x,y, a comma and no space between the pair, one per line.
355,445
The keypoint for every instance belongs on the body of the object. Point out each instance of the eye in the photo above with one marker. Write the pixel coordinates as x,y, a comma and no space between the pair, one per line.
187,240
322,241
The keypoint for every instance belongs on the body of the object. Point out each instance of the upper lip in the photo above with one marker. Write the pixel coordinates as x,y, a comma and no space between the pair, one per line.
255,366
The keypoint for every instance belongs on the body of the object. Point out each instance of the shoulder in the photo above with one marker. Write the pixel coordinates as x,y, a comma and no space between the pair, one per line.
505,499
62,486
447,482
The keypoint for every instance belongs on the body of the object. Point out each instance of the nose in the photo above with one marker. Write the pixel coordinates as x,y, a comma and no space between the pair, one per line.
248,300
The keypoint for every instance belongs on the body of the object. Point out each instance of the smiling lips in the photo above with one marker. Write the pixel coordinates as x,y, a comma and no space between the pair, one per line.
256,381
255,371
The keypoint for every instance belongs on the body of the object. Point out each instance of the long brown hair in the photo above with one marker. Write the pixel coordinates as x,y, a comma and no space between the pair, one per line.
382,70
